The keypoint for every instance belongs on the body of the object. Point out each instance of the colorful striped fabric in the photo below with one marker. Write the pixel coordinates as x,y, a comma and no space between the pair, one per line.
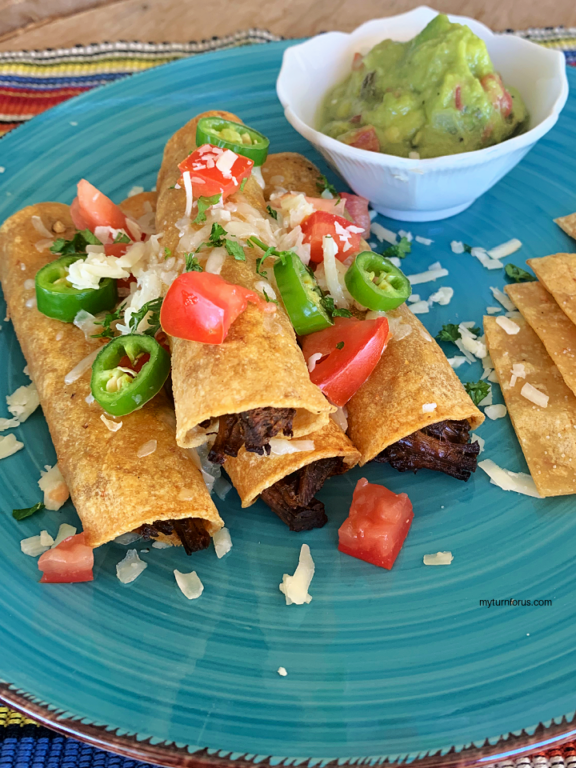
32,81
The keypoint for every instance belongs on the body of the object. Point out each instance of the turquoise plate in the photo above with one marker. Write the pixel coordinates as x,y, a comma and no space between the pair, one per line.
400,665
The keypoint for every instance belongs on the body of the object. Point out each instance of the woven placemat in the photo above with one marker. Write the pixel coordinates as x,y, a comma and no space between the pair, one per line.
30,83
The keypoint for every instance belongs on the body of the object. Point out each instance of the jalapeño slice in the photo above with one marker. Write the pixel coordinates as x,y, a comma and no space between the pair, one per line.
301,295
121,389
235,136
56,297
376,283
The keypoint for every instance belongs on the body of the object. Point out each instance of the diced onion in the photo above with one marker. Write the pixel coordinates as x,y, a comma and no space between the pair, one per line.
313,359
215,261
38,225
295,588
147,449
440,558
282,671
457,361
480,440
33,546
420,307
23,402
429,407
8,424
189,195
45,539
85,321
534,395
495,411
520,482
9,445
53,485
222,487
64,532
222,542
128,569
341,418
279,446
190,584
113,426
443,296
127,538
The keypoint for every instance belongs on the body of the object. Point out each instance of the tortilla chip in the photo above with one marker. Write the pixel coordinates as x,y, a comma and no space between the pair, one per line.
251,474
412,372
554,329
557,274
292,172
547,436
568,224
114,491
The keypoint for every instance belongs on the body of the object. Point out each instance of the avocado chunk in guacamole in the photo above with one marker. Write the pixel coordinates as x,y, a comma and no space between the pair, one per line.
437,94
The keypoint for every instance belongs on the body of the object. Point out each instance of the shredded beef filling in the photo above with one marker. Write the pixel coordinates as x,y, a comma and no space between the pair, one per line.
253,429
292,498
191,532
443,447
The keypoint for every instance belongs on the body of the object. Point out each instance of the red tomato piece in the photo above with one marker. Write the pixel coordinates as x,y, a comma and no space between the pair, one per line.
319,224
357,62
137,365
352,349
363,138
211,174
458,98
116,249
201,306
377,525
93,209
71,561
357,208
497,93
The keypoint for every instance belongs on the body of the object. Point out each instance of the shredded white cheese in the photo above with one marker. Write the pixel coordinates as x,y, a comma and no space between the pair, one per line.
189,196
128,569
135,190
189,584
295,588
81,368
443,296
282,671
85,321
222,487
222,542
427,277
313,359
420,307
440,558
147,449
161,545
280,447
127,538
23,402
503,299
520,482
9,445
505,249
383,234
457,246
8,424
495,411
480,440
483,257
429,407
113,426
330,249
423,240
407,235
457,361
53,485
493,310
507,325
534,395
341,418
39,226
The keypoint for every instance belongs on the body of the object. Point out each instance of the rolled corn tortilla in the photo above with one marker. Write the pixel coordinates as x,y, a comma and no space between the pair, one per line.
114,491
554,329
557,273
413,386
289,482
259,365
413,372
547,435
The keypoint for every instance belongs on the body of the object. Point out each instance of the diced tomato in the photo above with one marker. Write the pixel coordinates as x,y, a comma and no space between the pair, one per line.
458,98
351,349
357,62
377,525
357,208
363,138
116,249
71,561
201,306
137,365
91,209
497,93
207,177
319,224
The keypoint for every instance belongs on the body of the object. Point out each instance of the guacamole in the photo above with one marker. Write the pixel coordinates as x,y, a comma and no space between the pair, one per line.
437,94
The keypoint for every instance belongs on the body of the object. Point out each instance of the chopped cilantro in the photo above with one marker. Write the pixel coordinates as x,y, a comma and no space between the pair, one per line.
269,298
449,332
518,274
272,212
76,245
399,250
328,304
217,239
340,345
235,249
109,318
153,321
467,248
322,184
203,204
243,184
192,264
167,253
477,390
22,514
122,237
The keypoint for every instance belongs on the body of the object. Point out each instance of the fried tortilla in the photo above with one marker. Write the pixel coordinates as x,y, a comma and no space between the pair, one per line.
412,387
547,436
259,365
568,224
114,491
557,274
554,329
292,172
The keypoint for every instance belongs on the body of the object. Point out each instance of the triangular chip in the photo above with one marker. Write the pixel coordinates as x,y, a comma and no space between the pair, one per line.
568,224
557,274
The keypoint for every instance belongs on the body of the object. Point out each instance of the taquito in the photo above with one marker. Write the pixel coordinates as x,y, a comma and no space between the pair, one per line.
288,483
413,411
255,383
113,489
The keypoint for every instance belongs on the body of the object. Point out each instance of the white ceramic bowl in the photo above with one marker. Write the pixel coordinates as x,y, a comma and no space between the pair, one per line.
420,190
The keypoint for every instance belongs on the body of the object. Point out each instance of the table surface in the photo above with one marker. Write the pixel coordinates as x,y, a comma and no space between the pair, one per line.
36,24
